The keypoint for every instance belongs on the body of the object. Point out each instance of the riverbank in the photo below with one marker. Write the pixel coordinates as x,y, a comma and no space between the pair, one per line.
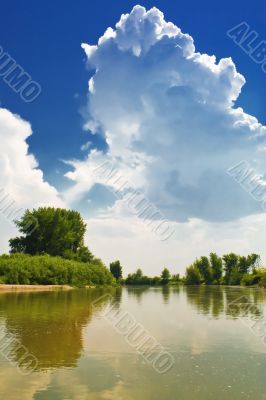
45,270
32,288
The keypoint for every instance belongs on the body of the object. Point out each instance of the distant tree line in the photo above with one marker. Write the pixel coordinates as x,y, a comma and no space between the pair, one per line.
230,269
54,251
138,278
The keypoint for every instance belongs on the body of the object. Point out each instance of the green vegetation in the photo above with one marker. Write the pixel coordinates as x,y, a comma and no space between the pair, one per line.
231,269
165,276
138,278
57,232
193,276
257,277
48,270
116,270
51,250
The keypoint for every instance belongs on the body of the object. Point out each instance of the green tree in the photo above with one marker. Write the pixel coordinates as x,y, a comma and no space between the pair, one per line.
204,267
156,280
216,268
138,279
176,278
116,269
246,263
83,254
139,273
57,232
230,265
165,276
192,276
254,260
243,268
243,264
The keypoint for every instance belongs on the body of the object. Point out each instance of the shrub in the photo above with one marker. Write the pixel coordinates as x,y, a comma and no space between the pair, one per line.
193,276
48,270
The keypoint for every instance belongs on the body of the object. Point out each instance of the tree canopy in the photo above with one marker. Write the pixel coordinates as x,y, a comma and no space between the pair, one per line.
231,269
165,276
58,232
116,269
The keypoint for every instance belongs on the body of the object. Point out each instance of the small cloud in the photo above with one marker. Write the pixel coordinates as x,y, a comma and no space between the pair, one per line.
91,126
86,146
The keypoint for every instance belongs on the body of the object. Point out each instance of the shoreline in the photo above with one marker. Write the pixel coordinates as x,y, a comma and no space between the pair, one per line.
32,288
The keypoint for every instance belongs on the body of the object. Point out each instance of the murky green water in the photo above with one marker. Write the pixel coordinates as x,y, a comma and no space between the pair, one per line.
81,354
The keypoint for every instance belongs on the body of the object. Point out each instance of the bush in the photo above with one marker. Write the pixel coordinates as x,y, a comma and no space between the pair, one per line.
258,277
47,270
192,275
261,273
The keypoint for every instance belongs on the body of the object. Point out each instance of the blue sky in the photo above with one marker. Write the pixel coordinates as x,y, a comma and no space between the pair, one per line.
45,37
161,111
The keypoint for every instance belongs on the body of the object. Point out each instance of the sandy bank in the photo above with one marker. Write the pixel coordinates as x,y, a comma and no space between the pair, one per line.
32,288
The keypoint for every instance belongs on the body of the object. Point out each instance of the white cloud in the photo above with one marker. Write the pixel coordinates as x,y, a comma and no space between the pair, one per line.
20,178
168,117
86,146
116,234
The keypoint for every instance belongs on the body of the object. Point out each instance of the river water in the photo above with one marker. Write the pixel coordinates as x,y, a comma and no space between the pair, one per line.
165,343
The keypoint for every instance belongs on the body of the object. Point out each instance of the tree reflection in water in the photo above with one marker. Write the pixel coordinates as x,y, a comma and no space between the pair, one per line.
50,324
233,302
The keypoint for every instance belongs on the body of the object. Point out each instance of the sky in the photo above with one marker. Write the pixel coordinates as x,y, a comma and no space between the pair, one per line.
151,113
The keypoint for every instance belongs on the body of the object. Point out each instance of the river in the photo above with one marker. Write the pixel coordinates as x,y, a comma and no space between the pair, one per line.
165,343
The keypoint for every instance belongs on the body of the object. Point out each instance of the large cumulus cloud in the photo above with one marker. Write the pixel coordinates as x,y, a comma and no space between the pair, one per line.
22,184
167,115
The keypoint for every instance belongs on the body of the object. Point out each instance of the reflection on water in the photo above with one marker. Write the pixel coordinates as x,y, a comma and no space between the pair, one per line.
217,300
82,357
50,324
137,292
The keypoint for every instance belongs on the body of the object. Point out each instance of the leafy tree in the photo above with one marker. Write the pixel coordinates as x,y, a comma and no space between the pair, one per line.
203,265
262,277
230,264
235,276
243,264
250,279
138,279
216,268
246,263
156,280
58,232
139,273
83,254
254,260
116,269
193,276
176,278
243,268
165,276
